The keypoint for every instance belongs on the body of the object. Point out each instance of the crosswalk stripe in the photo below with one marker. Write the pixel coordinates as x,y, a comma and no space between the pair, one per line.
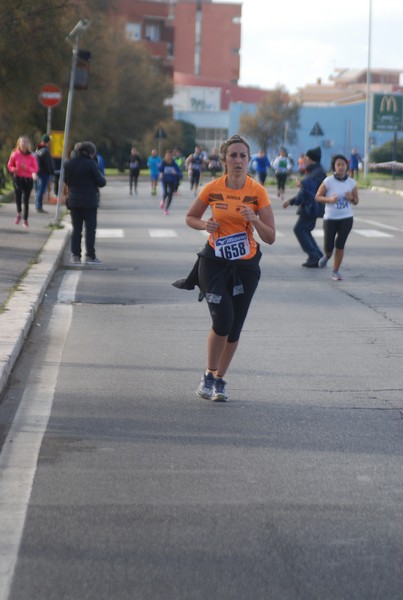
381,225
317,233
110,233
162,233
372,233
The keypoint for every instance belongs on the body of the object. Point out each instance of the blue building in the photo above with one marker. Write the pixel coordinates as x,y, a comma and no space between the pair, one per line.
331,116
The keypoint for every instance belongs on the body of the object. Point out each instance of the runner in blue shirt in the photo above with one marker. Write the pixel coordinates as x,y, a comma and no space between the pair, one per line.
169,174
153,163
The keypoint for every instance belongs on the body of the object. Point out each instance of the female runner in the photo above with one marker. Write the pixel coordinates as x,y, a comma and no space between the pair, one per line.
228,269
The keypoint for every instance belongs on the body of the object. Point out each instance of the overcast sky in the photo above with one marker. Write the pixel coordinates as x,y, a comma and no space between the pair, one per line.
294,42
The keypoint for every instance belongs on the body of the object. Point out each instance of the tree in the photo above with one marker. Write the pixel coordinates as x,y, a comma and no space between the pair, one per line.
125,96
275,123
388,152
33,52
126,92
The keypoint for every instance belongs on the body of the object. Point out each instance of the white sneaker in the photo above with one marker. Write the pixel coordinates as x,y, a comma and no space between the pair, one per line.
219,393
205,389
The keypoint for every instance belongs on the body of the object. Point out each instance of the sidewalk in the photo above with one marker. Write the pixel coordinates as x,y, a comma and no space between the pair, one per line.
28,260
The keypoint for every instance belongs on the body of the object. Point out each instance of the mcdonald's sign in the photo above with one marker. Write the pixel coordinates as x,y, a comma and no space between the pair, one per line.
387,112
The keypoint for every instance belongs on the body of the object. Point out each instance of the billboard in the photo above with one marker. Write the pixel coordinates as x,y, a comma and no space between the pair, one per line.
387,112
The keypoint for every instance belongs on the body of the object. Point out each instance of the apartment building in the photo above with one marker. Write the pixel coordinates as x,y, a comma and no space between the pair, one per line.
196,37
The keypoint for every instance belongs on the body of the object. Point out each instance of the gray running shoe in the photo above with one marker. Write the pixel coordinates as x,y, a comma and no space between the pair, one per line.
322,262
92,261
76,260
205,389
219,394
336,276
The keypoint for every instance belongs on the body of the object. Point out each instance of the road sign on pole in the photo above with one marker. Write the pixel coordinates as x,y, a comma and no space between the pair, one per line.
50,95
387,112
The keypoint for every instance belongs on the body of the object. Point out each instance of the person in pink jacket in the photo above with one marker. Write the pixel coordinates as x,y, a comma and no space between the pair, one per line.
23,165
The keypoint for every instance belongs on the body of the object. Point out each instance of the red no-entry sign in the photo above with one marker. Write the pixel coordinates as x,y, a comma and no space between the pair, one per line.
50,95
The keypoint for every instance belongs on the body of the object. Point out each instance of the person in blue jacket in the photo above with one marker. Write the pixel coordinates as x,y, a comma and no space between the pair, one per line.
354,163
261,165
169,175
308,208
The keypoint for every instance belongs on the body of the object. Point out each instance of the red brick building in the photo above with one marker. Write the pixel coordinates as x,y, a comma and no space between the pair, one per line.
196,37
208,39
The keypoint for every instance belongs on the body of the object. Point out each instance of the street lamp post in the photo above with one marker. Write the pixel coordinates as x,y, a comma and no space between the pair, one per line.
367,98
74,37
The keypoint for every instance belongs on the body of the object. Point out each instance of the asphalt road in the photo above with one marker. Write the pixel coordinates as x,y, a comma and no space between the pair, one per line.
120,483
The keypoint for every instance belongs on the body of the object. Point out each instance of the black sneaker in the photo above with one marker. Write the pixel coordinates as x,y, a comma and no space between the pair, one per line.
205,389
219,394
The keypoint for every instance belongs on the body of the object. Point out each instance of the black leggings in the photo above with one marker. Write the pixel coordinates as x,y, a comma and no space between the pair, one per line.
228,316
281,178
168,188
23,188
133,178
336,232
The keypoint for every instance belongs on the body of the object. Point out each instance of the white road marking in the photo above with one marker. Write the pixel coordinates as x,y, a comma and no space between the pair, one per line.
206,233
372,233
110,233
67,290
162,233
19,455
381,225
317,233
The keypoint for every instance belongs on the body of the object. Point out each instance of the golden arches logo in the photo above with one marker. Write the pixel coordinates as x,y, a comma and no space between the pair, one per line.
389,104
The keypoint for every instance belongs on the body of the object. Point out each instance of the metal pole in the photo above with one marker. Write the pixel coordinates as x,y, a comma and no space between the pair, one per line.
367,99
49,121
73,37
67,126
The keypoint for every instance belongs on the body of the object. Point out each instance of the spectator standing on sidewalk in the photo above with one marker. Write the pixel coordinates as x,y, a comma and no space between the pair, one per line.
23,166
45,171
308,208
83,178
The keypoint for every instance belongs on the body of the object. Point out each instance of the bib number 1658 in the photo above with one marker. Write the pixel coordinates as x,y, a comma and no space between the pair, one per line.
233,246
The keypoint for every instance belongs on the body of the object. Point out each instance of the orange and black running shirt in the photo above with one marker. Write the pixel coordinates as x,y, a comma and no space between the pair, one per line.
234,238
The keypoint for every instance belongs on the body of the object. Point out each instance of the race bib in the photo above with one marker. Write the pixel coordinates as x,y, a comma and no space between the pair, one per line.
341,203
232,247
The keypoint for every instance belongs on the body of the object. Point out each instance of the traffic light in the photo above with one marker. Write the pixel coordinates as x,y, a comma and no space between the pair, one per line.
82,70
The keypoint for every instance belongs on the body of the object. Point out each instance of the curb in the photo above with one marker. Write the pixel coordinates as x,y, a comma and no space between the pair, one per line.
21,309
386,190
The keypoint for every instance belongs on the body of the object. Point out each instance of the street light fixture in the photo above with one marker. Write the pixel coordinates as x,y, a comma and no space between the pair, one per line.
73,37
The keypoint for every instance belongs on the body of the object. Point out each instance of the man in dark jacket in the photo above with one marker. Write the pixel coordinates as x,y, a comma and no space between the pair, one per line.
45,171
83,178
308,208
